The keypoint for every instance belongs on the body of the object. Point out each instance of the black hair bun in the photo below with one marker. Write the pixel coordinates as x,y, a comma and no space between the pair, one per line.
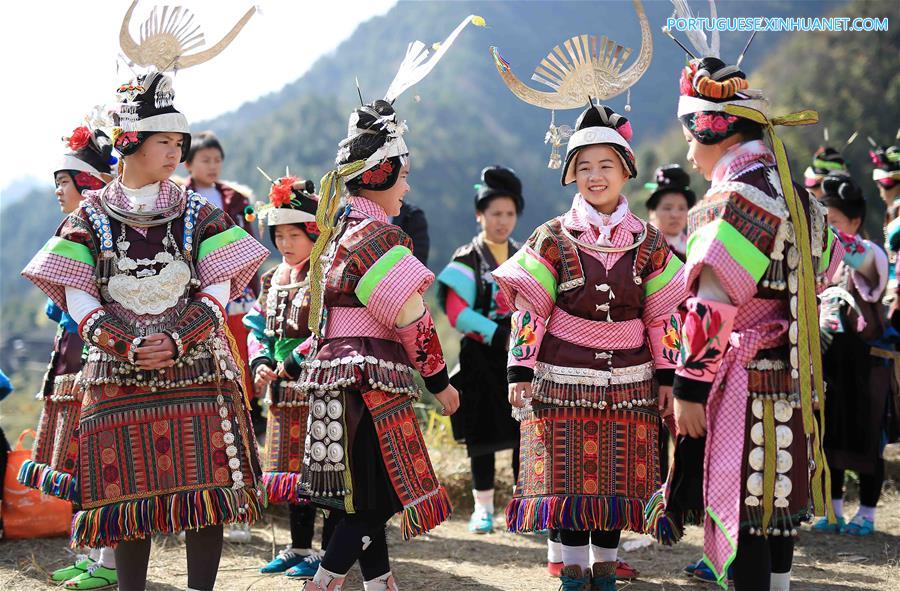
502,180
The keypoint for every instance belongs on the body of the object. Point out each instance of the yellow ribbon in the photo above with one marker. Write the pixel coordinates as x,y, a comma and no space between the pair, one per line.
808,347
329,200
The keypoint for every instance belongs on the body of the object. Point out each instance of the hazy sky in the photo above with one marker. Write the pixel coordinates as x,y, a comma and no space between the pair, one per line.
59,60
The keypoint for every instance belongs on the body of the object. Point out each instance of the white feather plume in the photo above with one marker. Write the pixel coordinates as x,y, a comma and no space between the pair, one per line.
697,37
417,63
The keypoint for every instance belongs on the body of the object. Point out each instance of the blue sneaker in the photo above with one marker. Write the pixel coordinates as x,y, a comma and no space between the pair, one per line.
306,569
703,573
481,522
285,560
823,526
859,526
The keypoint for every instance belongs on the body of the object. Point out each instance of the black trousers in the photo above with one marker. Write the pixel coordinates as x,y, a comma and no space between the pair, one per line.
758,557
869,485
359,536
483,469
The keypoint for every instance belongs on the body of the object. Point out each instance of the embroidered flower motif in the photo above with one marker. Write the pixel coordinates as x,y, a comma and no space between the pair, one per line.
429,356
312,228
87,181
379,174
700,337
713,125
282,192
126,139
852,244
79,139
523,347
671,340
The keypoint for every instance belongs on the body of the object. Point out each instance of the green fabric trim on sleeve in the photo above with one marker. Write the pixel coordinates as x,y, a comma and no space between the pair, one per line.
220,240
70,250
538,270
825,260
744,252
660,281
378,271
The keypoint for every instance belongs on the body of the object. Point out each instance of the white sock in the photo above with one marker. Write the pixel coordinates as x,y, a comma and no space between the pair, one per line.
838,507
94,554
780,582
378,583
484,499
302,551
867,512
600,554
579,555
554,551
323,578
107,558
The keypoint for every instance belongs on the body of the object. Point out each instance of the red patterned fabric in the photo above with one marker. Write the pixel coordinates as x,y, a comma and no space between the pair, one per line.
581,470
420,340
425,501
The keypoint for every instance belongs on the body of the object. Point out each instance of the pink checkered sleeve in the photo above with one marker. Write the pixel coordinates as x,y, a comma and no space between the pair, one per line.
738,283
66,260
52,273
517,283
236,262
406,277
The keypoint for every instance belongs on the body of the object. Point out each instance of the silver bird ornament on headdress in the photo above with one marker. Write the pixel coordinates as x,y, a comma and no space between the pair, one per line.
167,35
579,71
584,70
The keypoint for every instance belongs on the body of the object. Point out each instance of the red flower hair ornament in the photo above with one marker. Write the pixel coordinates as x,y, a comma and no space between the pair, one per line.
79,139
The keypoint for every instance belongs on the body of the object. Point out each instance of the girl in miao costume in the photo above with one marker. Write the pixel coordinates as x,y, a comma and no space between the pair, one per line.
365,453
858,371
145,269
759,250
278,323
593,344
475,307
85,166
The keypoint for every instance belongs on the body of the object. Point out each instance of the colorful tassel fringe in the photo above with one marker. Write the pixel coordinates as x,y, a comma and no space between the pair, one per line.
426,514
131,520
282,487
49,481
665,527
575,512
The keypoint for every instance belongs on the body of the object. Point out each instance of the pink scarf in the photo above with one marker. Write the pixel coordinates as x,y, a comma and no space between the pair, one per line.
739,158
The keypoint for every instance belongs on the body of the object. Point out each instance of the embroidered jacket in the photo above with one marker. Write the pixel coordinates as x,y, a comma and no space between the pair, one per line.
199,247
471,298
370,273
589,317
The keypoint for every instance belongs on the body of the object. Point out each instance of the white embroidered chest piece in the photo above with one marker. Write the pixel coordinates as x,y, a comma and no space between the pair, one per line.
151,295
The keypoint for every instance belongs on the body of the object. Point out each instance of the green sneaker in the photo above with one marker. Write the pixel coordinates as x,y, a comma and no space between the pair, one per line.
96,577
71,571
